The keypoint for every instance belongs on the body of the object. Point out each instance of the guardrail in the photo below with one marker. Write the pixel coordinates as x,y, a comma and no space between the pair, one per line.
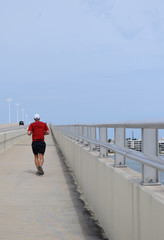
95,135
8,139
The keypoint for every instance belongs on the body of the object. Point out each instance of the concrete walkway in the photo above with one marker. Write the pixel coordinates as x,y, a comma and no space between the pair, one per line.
40,207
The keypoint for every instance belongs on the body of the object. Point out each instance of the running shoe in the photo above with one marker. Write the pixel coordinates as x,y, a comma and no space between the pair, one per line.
41,172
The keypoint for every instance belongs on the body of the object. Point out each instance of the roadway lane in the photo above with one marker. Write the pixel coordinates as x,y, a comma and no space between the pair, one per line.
12,128
3,125
44,207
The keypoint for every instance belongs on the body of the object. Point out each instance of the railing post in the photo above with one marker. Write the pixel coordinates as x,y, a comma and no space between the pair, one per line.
103,138
150,175
80,132
85,133
69,129
76,131
119,135
93,137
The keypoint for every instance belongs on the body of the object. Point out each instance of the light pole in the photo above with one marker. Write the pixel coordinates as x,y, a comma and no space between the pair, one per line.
23,114
26,118
9,100
17,105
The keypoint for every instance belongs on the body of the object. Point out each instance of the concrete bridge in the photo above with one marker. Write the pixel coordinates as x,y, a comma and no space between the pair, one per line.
34,207
84,194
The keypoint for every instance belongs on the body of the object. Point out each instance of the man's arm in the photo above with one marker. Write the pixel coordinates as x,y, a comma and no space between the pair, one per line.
29,133
46,132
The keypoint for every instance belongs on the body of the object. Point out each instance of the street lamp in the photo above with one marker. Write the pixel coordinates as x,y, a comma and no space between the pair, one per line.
17,105
23,114
9,100
26,115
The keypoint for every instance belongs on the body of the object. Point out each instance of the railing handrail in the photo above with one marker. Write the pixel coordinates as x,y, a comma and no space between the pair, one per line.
130,124
149,158
155,162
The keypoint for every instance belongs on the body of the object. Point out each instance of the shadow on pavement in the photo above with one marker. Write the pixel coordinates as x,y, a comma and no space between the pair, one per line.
90,227
31,172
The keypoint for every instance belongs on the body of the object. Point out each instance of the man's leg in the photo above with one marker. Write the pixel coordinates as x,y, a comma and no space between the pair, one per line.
36,156
41,156
42,147
40,169
36,161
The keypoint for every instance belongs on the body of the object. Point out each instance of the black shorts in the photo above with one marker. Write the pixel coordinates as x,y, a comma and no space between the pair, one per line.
38,147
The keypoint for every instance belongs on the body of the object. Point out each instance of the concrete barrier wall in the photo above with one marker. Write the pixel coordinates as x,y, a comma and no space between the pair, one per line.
8,139
125,209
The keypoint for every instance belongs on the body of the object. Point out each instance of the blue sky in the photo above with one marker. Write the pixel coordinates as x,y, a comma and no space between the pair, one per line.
82,61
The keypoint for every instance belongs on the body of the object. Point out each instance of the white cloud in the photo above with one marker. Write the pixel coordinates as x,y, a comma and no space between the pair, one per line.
132,19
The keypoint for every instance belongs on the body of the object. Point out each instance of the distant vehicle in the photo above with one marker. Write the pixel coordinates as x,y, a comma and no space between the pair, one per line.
21,123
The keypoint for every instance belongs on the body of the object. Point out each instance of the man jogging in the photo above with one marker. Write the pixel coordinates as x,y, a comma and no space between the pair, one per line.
38,129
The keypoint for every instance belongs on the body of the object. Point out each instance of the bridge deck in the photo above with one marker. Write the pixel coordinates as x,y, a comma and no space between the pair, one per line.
40,207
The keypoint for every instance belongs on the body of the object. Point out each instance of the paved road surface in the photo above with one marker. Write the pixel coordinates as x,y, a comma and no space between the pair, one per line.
11,128
40,207
3,125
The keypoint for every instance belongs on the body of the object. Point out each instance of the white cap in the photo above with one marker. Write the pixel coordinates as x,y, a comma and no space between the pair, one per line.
36,116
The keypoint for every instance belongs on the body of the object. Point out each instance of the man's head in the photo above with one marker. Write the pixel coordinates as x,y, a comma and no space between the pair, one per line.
36,117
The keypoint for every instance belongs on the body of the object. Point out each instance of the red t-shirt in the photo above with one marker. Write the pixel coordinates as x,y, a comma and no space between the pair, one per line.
38,130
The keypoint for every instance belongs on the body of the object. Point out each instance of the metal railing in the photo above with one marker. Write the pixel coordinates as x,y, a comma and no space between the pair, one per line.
95,135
